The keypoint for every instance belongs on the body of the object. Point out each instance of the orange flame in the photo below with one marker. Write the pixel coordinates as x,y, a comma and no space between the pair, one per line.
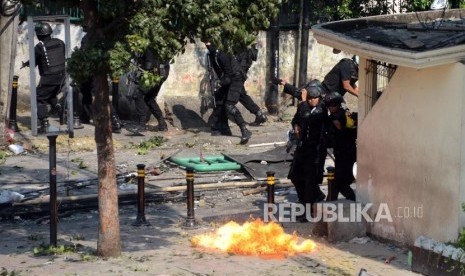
253,238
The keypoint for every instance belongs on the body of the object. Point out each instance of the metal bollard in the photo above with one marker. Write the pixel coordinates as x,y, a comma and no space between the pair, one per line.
140,220
53,189
13,104
270,181
190,220
115,96
331,178
76,122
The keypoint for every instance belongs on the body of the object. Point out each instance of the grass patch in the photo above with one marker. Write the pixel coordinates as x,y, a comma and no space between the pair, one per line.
145,146
44,250
3,156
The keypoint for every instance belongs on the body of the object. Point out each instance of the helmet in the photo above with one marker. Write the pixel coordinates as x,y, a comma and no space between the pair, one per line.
333,98
43,29
314,88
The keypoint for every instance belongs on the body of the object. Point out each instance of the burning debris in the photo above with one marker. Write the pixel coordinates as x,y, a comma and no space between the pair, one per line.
253,238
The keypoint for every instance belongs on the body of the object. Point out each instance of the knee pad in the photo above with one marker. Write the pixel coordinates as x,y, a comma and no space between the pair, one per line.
231,109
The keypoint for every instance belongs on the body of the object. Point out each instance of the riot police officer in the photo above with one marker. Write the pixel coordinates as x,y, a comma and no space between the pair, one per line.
302,94
149,62
342,78
228,70
50,59
309,125
345,151
245,59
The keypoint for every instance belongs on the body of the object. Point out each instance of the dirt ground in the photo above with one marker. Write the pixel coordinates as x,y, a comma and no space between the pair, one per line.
164,247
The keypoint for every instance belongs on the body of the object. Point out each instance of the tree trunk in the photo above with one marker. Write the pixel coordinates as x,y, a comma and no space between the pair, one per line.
108,244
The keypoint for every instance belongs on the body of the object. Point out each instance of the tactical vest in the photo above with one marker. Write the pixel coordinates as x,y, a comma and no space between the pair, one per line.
151,63
236,66
52,60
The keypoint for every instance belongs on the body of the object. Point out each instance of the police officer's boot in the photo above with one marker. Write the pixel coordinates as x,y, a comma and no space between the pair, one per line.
246,134
260,118
162,126
115,123
43,127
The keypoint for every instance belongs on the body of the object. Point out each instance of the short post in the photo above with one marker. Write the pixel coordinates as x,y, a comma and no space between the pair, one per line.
330,178
13,105
270,181
190,220
115,96
141,197
53,189
76,122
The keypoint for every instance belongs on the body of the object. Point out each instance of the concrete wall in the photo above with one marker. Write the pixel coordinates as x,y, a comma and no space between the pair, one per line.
188,76
7,47
411,151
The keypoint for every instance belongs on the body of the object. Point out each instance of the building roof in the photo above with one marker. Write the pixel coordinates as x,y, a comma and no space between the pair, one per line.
418,39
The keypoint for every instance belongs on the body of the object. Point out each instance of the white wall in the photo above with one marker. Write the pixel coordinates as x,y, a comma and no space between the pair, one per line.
410,152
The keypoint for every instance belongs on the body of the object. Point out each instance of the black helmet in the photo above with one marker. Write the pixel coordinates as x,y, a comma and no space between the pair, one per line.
314,88
43,29
333,98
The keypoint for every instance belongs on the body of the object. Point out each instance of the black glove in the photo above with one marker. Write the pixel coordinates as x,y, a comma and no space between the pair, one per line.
24,64
276,81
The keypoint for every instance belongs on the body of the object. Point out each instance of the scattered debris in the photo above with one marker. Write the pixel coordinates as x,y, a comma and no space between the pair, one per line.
389,259
16,149
267,144
362,240
9,196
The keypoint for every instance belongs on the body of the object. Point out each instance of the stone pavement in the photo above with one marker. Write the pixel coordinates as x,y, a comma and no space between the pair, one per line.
164,247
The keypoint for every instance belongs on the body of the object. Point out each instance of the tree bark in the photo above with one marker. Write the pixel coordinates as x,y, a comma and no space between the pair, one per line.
108,244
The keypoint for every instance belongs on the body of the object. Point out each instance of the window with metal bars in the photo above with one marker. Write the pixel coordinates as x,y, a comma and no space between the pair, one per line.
53,7
378,76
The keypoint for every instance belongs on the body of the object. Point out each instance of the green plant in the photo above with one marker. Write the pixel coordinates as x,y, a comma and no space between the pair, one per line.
80,162
461,239
153,142
3,156
44,250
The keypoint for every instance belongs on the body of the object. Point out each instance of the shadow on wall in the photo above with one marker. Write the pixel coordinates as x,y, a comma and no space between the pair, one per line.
188,118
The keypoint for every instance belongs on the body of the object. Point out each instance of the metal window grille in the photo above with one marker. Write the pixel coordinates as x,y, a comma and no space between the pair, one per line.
53,7
378,76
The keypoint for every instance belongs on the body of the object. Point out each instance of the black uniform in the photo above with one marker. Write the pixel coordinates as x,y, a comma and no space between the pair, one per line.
345,69
150,63
50,59
86,113
245,59
345,154
305,165
296,92
231,76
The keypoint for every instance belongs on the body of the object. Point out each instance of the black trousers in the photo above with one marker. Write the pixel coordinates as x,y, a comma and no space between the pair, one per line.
344,162
46,94
219,115
303,174
146,104
150,101
86,102
248,102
